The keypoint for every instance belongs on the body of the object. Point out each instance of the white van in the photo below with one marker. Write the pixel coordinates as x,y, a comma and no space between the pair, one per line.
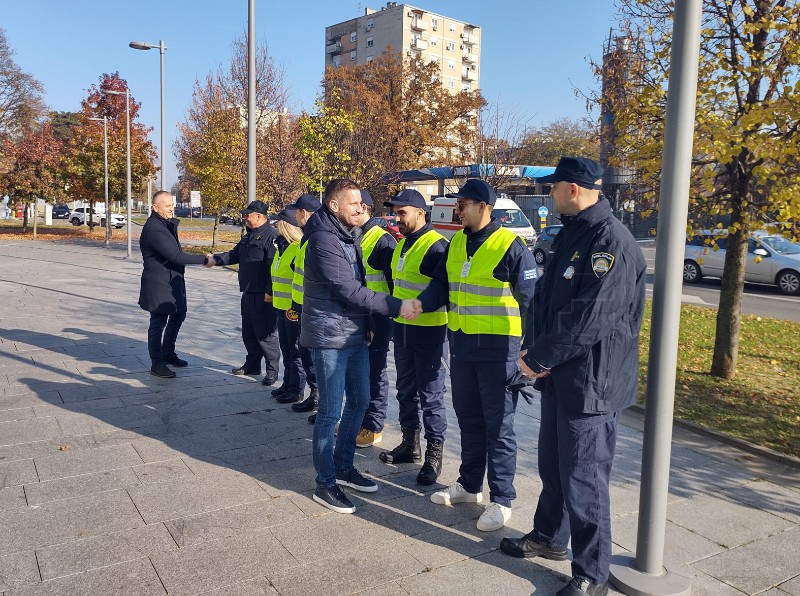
446,222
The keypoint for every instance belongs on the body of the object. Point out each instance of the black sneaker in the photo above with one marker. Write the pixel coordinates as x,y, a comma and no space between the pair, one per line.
354,479
173,360
581,587
525,548
159,369
334,498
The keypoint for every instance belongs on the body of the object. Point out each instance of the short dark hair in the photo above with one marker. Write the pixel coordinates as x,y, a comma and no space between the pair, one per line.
336,186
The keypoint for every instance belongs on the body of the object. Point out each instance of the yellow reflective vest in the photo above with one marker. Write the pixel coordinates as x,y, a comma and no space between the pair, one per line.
297,280
283,277
409,282
375,278
480,303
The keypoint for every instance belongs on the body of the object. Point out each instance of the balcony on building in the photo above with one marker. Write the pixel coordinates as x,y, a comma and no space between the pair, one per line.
419,44
466,37
470,57
334,48
418,24
467,74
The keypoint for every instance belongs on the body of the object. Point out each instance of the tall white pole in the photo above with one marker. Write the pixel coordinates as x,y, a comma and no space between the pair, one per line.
162,48
128,149
105,165
251,102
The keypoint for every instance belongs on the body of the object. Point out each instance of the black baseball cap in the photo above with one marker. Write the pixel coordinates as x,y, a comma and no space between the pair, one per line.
578,170
289,215
308,203
256,207
408,198
477,190
366,198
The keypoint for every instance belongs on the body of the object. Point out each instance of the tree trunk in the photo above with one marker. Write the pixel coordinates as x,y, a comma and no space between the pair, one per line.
35,215
214,232
24,217
729,313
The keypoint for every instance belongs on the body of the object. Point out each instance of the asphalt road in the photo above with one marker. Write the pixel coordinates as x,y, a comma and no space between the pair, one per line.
761,300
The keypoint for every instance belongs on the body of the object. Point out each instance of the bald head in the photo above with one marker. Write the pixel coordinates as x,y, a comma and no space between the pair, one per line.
163,204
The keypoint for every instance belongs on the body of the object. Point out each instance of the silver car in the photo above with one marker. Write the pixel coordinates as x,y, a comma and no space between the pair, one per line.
771,260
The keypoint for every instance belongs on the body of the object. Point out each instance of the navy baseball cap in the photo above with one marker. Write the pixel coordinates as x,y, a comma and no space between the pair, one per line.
477,190
307,202
366,198
408,198
289,215
256,207
578,170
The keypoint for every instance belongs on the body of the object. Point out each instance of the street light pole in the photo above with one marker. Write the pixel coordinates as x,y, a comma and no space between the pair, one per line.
127,95
104,120
140,45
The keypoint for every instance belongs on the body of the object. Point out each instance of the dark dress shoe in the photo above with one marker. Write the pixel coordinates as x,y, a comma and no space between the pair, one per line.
173,360
279,391
159,369
525,548
288,398
242,370
582,587
307,405
269,380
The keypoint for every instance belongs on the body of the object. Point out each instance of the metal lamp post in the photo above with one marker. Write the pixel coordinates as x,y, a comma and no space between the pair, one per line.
104,120
127,95
140,45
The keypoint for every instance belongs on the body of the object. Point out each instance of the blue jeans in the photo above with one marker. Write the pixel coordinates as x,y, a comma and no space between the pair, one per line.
338,371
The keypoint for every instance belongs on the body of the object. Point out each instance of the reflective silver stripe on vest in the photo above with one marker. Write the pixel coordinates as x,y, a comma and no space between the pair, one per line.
282,280
408,285
480,290
282,295
297,287
498,311
375,277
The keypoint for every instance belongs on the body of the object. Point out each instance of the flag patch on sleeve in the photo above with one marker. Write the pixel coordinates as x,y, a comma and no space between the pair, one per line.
530,274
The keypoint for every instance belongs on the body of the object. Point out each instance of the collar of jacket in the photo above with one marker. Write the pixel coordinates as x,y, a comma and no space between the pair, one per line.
325,221
371,223
590,216
484,232
172,223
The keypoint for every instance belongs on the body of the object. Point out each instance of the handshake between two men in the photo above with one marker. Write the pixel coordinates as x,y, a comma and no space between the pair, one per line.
410,309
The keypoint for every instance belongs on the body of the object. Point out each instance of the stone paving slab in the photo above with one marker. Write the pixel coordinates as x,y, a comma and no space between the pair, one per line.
18,569
83,485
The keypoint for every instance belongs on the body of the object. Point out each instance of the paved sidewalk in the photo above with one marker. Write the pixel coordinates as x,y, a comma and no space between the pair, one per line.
115,482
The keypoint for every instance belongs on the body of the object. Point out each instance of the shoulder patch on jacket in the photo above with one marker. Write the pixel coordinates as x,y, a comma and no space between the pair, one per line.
602,262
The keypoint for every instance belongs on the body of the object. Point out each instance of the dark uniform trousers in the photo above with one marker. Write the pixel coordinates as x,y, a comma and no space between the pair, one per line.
575,455
167,326
259,332
485,410
297,365
375,416
420,381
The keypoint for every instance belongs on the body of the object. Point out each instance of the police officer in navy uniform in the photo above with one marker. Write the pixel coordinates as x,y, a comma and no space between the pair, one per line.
377,246
585,357
419,344
487,278
254,253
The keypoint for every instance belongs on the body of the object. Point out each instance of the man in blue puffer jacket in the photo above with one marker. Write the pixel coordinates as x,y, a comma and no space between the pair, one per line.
334,323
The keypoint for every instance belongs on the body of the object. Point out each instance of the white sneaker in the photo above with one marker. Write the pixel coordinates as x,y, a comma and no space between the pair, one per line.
494,517
455,494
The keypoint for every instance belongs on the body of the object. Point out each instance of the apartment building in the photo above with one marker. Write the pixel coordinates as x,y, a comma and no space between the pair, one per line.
454,44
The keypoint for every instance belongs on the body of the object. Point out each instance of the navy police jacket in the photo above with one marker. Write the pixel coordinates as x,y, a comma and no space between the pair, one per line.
254,253
336,303
162,289
587,313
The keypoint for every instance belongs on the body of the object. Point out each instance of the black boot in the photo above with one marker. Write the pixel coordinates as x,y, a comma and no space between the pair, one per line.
159,369
173,360
308,404
406,452
279,391
433,463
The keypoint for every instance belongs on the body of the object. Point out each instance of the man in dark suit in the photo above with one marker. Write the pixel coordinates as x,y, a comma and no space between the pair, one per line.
163,291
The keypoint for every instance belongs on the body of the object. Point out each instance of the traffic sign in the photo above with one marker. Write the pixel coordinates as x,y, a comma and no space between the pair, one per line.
543,211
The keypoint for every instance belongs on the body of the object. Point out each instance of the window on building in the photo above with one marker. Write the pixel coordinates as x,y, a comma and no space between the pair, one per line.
452,26
451,65
451,83
370,23
434,23
370,42
369,59
353,37
434,41
337,60
466,87
451,45
352,56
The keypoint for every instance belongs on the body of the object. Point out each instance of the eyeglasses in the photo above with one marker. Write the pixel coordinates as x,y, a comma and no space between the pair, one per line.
461,205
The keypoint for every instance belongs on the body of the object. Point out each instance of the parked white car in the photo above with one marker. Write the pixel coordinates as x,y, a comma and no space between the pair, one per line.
446,222
78,218
771,259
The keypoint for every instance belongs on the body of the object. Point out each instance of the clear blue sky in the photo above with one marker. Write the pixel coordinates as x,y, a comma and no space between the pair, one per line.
533,52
